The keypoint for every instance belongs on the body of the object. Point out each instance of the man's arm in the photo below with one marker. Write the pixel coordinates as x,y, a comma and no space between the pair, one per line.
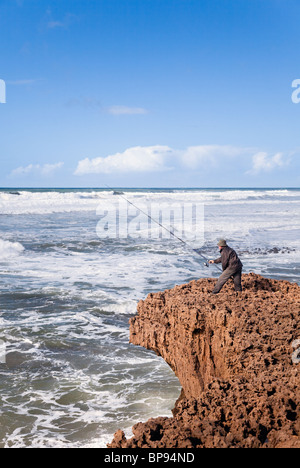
218,260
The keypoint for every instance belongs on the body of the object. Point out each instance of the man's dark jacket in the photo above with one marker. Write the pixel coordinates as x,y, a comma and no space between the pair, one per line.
229,259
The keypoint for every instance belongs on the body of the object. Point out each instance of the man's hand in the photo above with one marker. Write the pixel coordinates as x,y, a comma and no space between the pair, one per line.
211,261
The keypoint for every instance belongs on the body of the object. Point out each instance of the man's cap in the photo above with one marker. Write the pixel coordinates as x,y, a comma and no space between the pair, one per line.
222,243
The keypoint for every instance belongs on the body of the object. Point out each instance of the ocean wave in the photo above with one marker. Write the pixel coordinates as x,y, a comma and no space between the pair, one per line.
122,308
10,249
47,202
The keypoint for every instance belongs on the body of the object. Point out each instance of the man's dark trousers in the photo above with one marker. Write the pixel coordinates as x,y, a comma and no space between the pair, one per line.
225,276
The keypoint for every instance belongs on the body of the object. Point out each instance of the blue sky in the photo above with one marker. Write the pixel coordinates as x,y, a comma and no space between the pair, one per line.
159,93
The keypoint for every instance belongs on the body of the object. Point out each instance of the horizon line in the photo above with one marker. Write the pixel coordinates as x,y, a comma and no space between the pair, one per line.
152,188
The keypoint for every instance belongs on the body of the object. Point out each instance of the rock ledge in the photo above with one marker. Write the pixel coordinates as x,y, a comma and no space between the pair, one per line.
233,357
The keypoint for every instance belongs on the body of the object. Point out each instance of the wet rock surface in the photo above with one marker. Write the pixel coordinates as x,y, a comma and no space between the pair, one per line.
233,355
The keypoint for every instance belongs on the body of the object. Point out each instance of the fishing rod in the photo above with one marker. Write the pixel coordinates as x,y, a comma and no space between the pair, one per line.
197,251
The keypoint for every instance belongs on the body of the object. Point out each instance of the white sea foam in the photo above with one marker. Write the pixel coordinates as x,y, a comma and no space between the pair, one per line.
126,308
10,249
48,202
66,202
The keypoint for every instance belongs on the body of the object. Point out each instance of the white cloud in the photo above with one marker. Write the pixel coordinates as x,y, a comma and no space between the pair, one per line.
48,169
65,22
84,102
136,159
145,159
92,102
124,110
45,170
263,162
55,24
159,158
211,155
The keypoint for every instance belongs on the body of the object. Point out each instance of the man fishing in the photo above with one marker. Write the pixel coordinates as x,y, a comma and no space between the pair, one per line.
232,267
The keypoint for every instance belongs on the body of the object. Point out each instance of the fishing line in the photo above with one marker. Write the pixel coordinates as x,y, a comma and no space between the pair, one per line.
197,251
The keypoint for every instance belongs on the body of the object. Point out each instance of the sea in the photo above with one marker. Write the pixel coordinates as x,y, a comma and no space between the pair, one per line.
73,265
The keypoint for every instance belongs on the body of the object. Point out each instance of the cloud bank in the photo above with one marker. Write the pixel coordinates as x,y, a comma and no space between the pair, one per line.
125,110
45,170
136,159
143,159
263,162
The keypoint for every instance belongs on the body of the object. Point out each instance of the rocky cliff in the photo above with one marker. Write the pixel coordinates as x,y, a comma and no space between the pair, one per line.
233,355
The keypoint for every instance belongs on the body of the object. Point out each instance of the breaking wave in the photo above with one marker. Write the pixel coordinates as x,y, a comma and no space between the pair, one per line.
67,201
10,249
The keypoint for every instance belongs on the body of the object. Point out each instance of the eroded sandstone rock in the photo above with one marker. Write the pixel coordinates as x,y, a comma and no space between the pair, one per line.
232,354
